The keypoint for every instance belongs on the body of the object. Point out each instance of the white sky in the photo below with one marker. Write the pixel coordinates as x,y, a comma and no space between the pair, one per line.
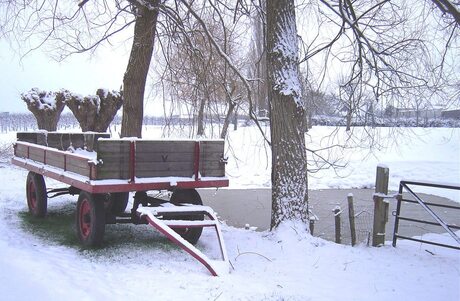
80,73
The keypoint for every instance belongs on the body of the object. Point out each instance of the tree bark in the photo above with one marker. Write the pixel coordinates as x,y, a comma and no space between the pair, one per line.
84,109
261,64
200,117
111,102
231,108
287,116
96,112
136,72
46,111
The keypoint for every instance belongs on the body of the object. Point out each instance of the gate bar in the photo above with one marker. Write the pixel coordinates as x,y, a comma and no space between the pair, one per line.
434,215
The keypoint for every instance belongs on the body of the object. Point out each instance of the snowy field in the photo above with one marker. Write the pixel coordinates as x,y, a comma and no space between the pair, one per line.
287,264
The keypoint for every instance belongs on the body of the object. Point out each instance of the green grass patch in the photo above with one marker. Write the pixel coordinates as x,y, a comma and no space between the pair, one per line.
58,227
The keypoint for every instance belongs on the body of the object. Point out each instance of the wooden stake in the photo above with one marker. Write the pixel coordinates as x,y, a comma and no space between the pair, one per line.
381,206
351,217
338,234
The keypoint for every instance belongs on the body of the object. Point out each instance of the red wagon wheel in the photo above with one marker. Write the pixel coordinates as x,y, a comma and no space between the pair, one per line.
188,196
119,202
37,199
90,219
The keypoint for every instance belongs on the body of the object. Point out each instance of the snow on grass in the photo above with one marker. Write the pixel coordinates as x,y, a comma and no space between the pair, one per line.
138,263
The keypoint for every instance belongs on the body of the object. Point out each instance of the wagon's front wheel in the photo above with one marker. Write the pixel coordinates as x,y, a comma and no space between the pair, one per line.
37,198
90,219
188,196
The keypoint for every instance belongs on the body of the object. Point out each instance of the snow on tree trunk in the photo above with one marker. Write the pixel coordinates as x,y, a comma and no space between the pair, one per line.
287,116
83,108
111,102
94,112
45,106
138,66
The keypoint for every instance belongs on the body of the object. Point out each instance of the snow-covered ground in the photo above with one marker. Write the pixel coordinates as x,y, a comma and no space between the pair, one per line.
282,265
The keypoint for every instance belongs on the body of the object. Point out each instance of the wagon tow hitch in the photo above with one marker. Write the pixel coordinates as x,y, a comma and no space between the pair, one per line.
154,215
52,193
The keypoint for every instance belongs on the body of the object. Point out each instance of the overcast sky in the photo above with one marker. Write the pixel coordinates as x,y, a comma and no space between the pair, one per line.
80,74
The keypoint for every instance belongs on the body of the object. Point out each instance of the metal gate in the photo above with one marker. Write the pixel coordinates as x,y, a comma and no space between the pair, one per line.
404,186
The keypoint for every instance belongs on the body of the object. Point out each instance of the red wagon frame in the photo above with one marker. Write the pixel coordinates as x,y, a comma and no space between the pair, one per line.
36,159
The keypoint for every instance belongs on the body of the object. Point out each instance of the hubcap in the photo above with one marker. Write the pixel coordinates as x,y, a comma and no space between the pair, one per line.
85,219
32,196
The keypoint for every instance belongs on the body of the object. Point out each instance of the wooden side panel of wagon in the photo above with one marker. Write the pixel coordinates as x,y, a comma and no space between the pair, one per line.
114,159
212,158
164,158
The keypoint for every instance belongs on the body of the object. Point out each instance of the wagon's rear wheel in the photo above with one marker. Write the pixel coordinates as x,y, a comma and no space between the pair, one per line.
119,201
188,196
37,198
90,219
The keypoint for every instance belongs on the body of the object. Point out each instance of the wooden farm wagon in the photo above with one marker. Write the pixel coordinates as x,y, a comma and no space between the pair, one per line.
102,171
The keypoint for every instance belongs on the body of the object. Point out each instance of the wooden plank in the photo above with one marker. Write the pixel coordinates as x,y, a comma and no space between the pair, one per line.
167,146
37,154
77,162
60,141
20,151
165,157
103,174
111,146
150,174
211,165
114,155
32,137
212,146
90,139
163,166
55,159
211,155
79,170
77,140
212,173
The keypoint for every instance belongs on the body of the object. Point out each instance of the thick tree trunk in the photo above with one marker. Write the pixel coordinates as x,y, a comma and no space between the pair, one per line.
136,72
96,112
45,106
287,116
111,102
84,109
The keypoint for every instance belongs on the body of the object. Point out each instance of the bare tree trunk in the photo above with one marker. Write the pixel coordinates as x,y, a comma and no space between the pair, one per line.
137,69
287,116
200,117
261,64
349,117
231,108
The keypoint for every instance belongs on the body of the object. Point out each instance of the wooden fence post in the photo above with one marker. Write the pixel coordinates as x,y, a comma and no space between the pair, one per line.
351,217
338,235
381,206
